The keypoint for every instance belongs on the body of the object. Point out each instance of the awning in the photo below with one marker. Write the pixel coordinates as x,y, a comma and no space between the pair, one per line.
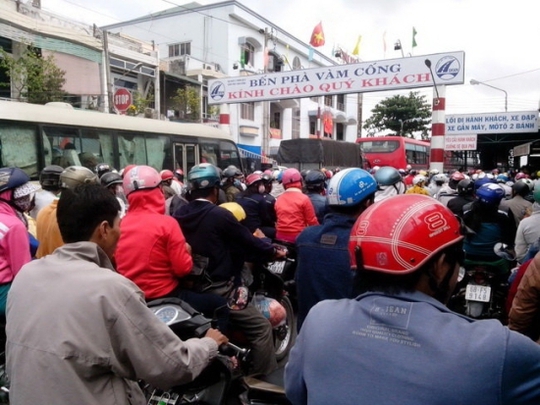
182,79
247,130
289,103
250,148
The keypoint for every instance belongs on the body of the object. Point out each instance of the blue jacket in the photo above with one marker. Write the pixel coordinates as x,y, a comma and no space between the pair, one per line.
320,205
323,270
408,349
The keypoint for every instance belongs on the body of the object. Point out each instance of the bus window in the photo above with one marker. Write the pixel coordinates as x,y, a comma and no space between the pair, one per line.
155,147
185,156
64,142
131,150
18,147
96,147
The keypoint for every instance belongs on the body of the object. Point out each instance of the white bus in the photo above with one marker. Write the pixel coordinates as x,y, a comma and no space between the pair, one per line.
34,136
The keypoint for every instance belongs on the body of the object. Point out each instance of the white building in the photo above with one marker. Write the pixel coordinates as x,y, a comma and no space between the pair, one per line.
229,39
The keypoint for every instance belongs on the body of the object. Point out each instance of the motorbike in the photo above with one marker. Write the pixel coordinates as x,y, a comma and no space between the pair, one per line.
483,287
223,381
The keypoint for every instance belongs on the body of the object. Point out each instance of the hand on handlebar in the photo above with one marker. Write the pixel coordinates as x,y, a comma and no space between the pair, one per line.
215,334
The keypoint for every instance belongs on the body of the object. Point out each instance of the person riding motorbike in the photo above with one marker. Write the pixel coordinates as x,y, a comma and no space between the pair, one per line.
294,209
517,206
418,187
528,231
488,223
323,267
214,233
231,182
449,190
114,183
49,180
389,182
315,182
465,196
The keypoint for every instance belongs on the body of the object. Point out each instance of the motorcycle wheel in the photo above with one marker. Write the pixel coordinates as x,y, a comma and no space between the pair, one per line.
285,335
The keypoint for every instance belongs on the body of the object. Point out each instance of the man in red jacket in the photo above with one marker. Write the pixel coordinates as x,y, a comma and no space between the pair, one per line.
152,250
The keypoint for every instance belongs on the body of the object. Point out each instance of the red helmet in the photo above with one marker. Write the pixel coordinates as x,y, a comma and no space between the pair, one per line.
253,178
328,174
141,177
457,176
291,176
398,235
166,175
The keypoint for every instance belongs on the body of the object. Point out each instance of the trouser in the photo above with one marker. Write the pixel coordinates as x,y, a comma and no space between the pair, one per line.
257,330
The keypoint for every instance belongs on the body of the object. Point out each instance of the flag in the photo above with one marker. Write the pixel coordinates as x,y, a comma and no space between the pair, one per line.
356,50
317,36
414,37
328,123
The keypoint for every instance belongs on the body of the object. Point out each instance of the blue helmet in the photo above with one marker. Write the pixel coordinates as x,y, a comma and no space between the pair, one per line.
11,178
387,176
480,182
350,187
490,193
204,175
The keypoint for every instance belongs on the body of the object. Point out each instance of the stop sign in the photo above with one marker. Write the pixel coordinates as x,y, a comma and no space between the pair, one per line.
122,99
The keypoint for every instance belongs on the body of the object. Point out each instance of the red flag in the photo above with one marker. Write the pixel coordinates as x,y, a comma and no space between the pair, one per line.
328,123
317,37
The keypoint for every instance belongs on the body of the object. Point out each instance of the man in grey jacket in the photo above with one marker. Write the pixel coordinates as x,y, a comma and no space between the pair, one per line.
80,333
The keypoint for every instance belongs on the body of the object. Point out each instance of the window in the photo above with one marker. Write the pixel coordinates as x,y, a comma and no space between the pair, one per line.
247,111
329,101
18,147
247,53
183,48
340,102
275,120
295,130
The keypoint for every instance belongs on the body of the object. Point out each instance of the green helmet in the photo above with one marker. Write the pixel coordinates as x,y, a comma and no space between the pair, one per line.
204,175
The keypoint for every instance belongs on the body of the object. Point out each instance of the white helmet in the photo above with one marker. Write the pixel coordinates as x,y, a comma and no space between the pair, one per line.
440,177
418,179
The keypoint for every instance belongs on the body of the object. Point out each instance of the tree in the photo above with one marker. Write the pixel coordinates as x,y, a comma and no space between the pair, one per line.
188,103
34,78
401,114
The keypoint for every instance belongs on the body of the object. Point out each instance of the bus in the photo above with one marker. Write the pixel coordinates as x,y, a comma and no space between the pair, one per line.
398,152
34,136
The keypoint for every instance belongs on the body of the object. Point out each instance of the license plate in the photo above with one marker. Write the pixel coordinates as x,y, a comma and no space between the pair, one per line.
277,267
477,293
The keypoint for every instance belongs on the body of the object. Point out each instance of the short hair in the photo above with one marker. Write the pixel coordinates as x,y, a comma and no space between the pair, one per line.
82,209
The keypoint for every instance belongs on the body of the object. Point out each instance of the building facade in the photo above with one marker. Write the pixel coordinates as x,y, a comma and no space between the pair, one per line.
227,39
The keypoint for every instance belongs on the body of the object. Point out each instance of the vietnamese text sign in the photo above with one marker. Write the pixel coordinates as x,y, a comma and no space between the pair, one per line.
388,74
492,123
460,142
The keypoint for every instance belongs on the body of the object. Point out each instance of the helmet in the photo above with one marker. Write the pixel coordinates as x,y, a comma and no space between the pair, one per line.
315,179
434,172
490,193
268,176
328,174
110,178
102,168
457,176
179,174
291,176
49,178
253,178
204,175
304,173
166,175
229,172
408,167
465,187
12,178
73,176
502,178
423,173
350,187
440,177
279,177
522,187
399,234
419,179
520,176
479,182
387,175
236,209
141,178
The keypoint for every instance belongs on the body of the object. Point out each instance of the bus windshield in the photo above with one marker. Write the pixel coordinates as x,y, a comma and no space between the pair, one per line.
379,146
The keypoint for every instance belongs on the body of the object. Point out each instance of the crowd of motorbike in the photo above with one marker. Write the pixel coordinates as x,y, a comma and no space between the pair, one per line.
490,205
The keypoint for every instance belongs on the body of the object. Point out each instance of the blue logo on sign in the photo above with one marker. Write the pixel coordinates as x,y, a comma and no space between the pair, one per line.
447,68
217,91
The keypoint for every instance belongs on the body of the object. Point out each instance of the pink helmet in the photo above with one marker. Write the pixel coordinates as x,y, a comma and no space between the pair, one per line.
521,175
253,178
291,176
166,175
141,178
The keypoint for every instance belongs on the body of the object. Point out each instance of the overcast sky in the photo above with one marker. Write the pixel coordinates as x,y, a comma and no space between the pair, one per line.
500,38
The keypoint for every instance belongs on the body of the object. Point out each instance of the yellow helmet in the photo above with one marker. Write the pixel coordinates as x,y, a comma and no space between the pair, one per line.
236,210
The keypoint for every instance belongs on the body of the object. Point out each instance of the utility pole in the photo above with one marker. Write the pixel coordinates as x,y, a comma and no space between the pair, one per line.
266,104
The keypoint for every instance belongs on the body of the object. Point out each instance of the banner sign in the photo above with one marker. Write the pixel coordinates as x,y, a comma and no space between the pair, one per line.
388,74
492,123
460,142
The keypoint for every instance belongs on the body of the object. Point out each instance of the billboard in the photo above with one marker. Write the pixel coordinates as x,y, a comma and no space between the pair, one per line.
492,123
389,74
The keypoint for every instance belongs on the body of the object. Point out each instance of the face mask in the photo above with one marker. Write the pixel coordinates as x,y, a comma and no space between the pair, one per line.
262,189
23,204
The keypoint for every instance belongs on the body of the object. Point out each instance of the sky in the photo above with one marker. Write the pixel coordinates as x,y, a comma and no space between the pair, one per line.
500,38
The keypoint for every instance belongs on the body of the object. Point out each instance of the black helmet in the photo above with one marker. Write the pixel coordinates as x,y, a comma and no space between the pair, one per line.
465,187
521,187
314,179
204,175
49,178
110,178
304,173
229,172
12,177
387,176
102,168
